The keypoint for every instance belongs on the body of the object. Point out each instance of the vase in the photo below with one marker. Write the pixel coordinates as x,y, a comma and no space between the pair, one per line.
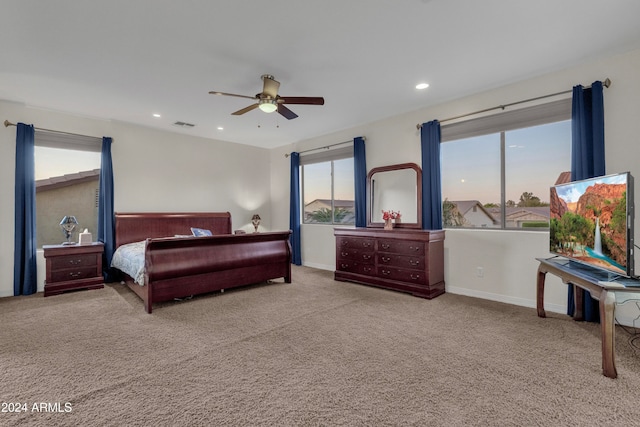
388,224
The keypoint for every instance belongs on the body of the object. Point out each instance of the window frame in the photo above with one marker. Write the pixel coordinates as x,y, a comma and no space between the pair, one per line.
328,156
501,123
66,141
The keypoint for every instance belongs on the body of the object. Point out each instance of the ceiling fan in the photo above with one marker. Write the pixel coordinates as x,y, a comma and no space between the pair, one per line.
269,100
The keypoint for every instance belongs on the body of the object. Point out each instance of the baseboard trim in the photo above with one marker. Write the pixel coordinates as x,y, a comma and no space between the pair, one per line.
523,302
319,266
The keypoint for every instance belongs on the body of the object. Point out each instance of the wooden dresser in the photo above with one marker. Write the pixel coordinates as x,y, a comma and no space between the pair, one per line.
73,267
401,259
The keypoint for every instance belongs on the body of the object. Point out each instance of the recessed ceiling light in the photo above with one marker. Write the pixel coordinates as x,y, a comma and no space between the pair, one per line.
422,86
156,115
220,128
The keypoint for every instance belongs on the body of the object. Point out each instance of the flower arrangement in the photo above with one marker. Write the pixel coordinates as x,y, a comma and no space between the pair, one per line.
390,215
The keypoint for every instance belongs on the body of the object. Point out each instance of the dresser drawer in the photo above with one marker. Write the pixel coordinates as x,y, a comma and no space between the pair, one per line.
401,247
73,274
401,261
356,267
74,261
356,255
355,243
403,275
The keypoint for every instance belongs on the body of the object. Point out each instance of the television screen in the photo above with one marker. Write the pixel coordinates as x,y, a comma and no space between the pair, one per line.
592,222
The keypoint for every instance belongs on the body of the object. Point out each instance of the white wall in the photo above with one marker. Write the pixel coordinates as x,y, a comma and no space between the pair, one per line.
508,258
153,171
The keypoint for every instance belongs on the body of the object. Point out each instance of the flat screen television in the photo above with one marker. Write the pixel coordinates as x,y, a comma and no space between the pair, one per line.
592,222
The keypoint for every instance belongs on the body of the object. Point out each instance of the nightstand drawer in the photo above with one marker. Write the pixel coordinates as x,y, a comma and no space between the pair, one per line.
74,261
73,274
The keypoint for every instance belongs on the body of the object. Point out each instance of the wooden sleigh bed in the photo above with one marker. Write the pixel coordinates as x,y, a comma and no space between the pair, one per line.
178,267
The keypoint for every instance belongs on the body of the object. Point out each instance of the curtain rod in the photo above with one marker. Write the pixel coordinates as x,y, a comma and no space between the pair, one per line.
605,83
7,123
326,147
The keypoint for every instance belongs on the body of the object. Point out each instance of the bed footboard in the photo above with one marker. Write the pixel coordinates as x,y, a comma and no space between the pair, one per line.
180,267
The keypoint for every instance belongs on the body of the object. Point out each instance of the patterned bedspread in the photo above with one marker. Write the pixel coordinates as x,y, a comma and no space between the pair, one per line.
129,258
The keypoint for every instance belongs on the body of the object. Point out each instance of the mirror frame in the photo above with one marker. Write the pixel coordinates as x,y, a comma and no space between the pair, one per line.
400,166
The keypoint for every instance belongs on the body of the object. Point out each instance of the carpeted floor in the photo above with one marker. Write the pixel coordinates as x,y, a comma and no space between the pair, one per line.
312,353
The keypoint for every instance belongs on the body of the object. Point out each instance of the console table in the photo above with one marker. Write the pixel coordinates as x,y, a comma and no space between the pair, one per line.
404,260
601,288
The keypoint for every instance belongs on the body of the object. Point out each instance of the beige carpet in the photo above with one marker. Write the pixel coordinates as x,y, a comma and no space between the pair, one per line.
312,353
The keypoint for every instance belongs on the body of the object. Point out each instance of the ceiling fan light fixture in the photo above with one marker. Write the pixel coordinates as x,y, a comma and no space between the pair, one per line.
268,105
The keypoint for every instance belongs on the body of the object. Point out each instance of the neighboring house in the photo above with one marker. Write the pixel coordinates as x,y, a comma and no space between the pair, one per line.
474,214
73,194
516,217
319,204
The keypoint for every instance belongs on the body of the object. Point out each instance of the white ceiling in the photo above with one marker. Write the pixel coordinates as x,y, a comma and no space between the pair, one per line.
127,59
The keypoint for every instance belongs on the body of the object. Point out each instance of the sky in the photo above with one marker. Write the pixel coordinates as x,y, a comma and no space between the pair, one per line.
317,181
534,158
57,162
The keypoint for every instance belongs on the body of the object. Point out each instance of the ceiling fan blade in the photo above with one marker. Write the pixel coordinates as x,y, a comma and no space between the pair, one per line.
287,113
245,109
270,87
213,92
308,100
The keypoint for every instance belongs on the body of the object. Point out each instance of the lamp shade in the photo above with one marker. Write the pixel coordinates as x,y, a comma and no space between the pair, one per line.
268,105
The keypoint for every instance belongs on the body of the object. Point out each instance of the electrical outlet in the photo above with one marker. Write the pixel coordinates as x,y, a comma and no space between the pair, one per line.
480,272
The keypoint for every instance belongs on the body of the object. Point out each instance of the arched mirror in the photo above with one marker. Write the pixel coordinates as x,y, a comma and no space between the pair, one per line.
397,188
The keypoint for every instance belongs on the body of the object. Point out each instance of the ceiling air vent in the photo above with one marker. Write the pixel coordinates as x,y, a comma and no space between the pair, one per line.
184,124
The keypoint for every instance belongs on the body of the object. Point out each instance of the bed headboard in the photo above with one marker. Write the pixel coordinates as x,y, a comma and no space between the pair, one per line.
134,227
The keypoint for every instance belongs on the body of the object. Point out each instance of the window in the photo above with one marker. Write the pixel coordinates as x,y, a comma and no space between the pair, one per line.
328,189
67,170
496,171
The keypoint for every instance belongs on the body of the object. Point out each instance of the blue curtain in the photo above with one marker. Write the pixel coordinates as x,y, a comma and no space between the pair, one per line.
24,264
431,188
106,223
587,159
360,181
294,210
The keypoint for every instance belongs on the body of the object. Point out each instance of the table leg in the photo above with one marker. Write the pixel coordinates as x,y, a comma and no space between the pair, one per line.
578,299
607,326
540,293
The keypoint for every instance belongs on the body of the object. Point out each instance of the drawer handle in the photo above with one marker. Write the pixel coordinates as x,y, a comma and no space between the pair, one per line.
414,248
415,276
75,261
385,259
386,246
344,265
385,272
74,275
367,269
344,253
414,262
344,243
366,256
366,244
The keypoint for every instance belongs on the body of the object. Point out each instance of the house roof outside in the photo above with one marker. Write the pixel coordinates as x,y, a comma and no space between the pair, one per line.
66,180
563,178
346,204
516,212
465,206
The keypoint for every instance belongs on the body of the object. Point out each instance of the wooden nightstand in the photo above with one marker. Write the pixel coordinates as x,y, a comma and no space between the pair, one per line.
73,267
